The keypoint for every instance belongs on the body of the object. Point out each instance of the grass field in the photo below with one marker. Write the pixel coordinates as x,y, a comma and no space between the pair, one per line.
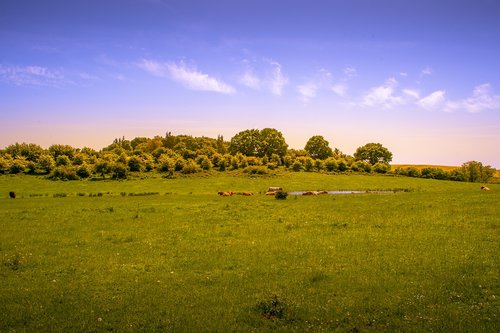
170,255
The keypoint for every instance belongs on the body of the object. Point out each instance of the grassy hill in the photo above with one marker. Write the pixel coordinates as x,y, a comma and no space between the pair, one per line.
171,255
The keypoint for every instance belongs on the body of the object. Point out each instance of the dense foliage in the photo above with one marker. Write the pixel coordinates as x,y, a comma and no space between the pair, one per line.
256,152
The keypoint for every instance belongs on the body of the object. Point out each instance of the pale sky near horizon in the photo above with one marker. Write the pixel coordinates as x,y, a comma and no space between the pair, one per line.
420,77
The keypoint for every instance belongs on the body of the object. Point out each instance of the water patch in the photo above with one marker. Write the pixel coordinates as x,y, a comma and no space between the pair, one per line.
342,192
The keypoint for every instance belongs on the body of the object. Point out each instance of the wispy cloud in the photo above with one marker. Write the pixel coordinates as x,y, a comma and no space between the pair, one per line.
265,75
383,96
482,99
31,76
250,79
433,101
339,89
412,93
426,71
307,91
277,80
191,78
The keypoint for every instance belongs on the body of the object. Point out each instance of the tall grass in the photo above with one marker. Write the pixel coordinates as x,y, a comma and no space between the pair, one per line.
192,261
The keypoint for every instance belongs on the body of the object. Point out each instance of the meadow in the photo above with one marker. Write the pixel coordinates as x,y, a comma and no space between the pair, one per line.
170,255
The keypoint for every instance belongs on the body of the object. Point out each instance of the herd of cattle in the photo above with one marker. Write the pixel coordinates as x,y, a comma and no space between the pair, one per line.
270,191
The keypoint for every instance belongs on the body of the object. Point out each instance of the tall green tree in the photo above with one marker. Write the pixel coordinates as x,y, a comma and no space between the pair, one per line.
245,142
475,171
318,148
272,142
373,153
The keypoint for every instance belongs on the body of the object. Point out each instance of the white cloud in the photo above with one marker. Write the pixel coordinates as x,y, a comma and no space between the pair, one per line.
432,101
426,71
403,74
340,89
31,76
383,96
250,80
277,81
307,91
154,67
412,93
189,77
482,99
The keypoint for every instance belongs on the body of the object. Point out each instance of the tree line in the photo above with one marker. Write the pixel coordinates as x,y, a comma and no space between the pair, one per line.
253,151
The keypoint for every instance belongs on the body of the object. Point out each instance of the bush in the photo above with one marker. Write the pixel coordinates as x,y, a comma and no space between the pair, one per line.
190,167
135,163
63,173
119,170
281,195
18,165
296,166
83,171
381,167
256,170
331,164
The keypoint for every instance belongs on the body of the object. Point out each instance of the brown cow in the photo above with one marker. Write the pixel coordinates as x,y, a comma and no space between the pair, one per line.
270,193
12,195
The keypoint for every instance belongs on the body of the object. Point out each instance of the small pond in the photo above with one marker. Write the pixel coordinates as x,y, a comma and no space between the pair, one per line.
343,192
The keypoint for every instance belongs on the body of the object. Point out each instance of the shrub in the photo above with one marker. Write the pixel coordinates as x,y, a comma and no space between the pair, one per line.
308,164
331,164
63,173
342,165
18,165
281,195
381,167
256,170
296,166
135,163
190,167
204,162
83,171
119,170
62,160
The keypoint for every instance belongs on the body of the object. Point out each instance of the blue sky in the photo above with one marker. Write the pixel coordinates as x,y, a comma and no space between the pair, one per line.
420,77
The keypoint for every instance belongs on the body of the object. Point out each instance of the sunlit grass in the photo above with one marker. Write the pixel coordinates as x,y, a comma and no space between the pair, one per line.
175,256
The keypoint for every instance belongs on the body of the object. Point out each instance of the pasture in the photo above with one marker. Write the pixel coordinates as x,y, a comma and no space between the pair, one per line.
170,255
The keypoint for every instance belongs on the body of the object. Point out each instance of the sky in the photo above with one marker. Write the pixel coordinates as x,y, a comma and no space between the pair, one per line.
420,77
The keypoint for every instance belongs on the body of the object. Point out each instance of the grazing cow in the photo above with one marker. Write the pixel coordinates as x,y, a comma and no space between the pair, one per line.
12,195
247,194
310,193
226,194
270,193
485,188
322,192
274,189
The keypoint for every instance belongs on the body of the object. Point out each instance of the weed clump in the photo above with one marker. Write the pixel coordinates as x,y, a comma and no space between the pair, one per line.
272,308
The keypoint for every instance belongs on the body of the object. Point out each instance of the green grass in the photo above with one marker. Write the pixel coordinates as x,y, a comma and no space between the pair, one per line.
174,256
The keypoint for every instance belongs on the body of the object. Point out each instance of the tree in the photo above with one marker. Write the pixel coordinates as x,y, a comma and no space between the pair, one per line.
253,142
245,142
373,153
474,171
318,147
271,142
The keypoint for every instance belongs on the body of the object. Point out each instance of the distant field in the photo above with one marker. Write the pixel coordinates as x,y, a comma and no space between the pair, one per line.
423,166
170,255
